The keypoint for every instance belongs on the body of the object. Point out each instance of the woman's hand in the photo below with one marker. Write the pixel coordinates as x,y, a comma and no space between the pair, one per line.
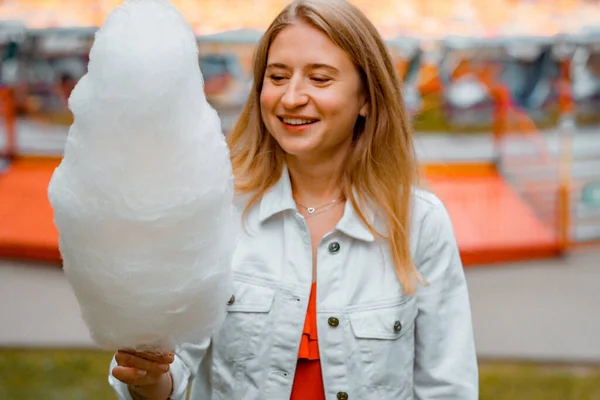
146,374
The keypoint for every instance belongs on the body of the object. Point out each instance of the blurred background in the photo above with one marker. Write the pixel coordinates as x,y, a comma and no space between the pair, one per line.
504,98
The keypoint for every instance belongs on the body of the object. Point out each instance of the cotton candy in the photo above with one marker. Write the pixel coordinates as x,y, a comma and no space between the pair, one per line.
143,196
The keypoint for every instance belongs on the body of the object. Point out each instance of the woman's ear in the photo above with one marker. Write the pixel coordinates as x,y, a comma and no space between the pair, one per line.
364,110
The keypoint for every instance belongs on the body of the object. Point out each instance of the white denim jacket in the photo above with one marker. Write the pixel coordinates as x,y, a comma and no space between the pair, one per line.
375,342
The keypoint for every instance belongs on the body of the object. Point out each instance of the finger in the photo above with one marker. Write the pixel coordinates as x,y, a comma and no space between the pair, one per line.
133,361
161,358
130,376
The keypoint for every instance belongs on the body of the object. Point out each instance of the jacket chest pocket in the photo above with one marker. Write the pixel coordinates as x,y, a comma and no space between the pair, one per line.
246,320
384,343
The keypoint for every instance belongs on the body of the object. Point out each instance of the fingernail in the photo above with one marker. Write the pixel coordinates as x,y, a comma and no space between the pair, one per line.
164,367
141,372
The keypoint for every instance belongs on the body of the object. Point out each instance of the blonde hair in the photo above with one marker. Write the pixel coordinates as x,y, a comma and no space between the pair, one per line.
381,166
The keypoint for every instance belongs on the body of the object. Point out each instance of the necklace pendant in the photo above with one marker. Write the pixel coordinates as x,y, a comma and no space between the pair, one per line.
310,210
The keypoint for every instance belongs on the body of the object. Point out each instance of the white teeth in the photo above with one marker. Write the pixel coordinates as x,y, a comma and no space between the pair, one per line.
298,121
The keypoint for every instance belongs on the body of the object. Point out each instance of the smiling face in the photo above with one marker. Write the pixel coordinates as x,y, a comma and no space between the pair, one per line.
312,94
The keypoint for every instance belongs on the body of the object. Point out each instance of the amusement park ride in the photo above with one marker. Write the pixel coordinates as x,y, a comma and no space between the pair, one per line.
537,197
529,201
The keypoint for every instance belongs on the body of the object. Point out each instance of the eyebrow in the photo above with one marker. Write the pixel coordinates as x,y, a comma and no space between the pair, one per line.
311,66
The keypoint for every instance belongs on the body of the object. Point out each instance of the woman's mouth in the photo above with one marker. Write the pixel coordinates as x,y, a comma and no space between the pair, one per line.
297,122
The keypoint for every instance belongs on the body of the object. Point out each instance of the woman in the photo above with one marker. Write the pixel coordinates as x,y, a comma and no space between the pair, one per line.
325,171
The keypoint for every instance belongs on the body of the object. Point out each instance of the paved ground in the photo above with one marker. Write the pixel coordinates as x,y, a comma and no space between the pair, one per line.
545,310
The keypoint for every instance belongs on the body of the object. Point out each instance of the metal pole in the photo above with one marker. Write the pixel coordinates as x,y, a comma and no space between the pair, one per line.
566,130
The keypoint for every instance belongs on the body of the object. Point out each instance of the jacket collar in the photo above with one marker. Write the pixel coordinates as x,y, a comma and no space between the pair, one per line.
353,226
279,199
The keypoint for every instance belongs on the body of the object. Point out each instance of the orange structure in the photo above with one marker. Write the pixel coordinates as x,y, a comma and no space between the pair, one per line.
500,211
496,220
27,229
492,218
491,222
9,119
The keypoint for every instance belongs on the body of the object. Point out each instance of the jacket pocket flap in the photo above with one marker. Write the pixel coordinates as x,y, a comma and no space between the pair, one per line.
250,297
389,322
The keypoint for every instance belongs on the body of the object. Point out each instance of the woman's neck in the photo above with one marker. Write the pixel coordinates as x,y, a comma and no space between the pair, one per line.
315,183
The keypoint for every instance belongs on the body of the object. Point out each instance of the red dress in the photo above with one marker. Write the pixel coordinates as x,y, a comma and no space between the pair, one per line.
308,381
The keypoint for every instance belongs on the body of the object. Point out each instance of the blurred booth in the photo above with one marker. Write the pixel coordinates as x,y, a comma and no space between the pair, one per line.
226,64
478,73
407,55
12,36
52,62
585,76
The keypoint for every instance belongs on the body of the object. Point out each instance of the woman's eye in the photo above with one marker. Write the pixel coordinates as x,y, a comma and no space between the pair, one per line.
276,78
320,79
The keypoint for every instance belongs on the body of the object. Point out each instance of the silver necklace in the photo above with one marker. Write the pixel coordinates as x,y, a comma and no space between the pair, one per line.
313,211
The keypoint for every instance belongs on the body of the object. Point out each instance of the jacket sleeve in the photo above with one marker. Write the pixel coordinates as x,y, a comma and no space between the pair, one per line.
185,368
445,360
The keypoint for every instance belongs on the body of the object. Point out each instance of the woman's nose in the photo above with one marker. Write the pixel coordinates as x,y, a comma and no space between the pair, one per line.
294,95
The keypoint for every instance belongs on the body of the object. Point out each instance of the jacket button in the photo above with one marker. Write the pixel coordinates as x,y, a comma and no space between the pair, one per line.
342,396
333,322
334,247
397,326
231,300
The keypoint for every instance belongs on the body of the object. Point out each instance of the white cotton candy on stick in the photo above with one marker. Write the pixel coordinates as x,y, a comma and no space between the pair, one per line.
143,196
